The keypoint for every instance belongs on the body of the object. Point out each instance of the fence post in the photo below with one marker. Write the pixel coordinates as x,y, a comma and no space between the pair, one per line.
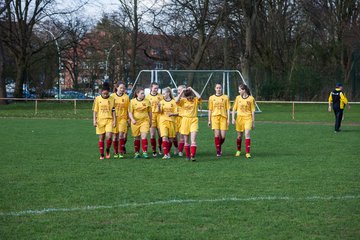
293,110
36,107
75,106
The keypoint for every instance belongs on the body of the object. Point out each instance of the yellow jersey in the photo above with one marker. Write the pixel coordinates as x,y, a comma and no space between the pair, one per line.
154,100
189,108
244,107
219,105
121,105
140,109
166,108
103,107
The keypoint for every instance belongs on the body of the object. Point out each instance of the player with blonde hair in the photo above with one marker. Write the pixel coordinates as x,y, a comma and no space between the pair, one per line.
244,106
104,119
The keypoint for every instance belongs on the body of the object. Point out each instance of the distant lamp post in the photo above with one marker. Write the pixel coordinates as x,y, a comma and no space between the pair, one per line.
60,79
106,77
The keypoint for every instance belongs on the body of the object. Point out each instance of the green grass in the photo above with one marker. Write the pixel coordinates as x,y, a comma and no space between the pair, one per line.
53,164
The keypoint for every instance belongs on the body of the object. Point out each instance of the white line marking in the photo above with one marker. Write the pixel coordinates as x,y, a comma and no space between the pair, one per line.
180,201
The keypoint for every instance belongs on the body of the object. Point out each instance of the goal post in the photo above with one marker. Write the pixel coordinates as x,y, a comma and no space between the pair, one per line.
202,80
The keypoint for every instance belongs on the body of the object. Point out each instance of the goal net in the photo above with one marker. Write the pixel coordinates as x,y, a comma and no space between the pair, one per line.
203,81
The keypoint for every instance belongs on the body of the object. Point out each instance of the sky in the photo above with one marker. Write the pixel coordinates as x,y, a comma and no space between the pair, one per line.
95,8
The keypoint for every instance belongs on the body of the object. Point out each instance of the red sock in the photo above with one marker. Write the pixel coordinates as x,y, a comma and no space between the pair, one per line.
217,144
108,145
175,142
116,146
153,144
122,145
247,145
144,144
238,144
101,148
137,145
193,150
181,146
165,145
187,151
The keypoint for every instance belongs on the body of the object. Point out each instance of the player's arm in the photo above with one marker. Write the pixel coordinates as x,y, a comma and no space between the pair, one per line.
233,112
330,103
179,96
95,110
114,116
195,92
131,116
344,99
94,118
210,107
253,114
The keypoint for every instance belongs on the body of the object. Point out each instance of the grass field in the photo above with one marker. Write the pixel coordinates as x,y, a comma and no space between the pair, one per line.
302,182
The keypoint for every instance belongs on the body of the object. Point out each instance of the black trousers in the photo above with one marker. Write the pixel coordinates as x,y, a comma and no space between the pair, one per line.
338,118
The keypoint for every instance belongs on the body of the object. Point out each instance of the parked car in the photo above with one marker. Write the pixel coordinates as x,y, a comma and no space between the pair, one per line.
71,95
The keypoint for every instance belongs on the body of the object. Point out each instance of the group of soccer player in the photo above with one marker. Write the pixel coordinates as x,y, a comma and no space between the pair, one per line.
174,120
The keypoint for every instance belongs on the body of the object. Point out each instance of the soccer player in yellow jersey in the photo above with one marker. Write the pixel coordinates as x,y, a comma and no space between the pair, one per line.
219,116
179,145
154,97
140,116
168,111
189,100
244,105
104,119
122,102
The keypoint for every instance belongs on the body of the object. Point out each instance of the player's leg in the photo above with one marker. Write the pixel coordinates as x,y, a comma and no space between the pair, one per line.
193,147
101,145
187,146
217,141
247,143
108,137
153,140
115,138
238,143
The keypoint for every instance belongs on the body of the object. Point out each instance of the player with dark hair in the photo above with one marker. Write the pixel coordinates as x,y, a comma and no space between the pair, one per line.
104,118
188,100
338,101
179,144
140,116
219,117
122,102
244,105
154,98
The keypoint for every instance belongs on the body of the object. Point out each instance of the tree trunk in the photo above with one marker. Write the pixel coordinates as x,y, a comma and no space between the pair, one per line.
2,79
20,80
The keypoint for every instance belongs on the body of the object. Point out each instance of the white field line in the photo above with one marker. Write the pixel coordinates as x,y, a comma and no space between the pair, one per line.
182,201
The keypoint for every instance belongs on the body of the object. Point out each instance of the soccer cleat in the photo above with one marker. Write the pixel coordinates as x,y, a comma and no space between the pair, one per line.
145,155
180,154
193,159
137,155
166,156
154,154
120,155
102,157
248,155
107,155
218,154
237,154
116,155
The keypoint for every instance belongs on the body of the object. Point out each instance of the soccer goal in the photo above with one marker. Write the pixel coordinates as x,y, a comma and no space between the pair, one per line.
202,81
